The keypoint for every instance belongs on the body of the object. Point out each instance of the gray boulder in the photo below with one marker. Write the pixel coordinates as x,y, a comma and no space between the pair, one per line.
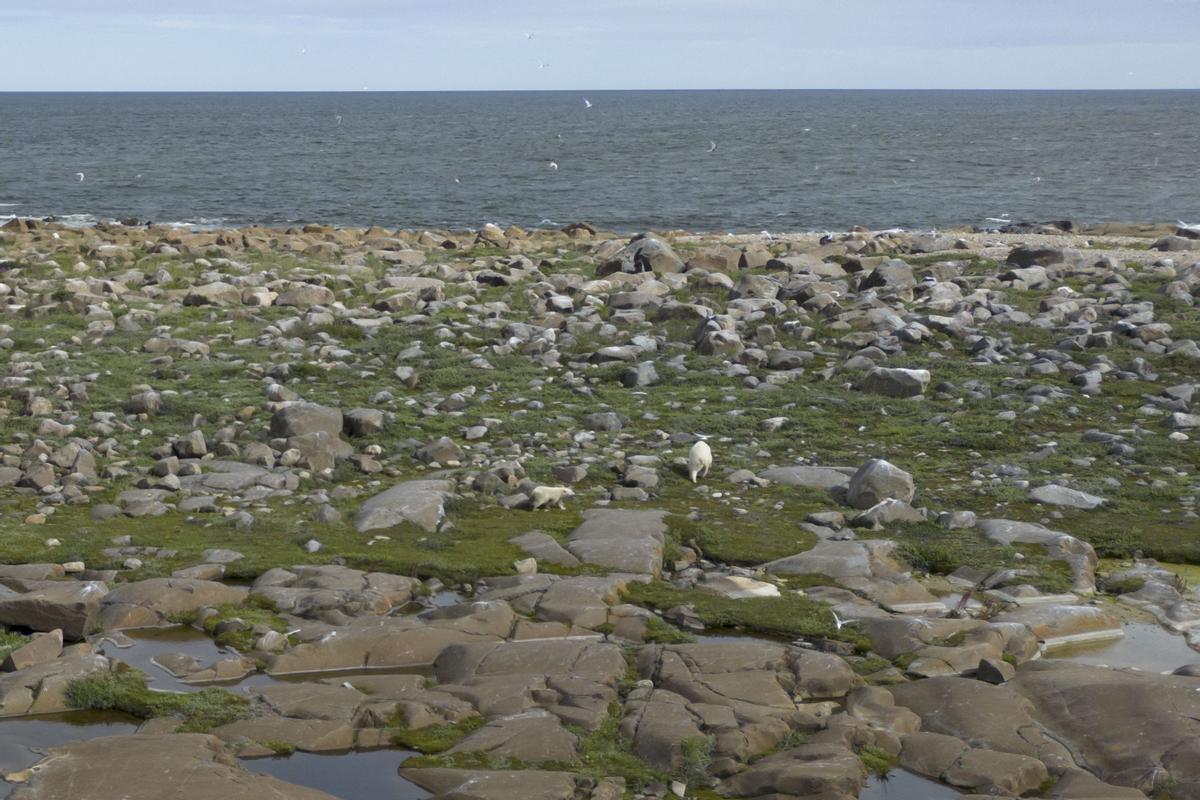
879,480
895,382
420,502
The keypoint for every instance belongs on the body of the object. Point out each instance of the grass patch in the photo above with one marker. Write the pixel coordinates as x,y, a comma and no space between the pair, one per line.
660,632
255,611
696,756
788,616
878,762
603,752
436,739
10,641
126,691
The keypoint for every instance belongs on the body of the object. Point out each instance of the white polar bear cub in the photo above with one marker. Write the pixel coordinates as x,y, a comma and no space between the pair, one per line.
699,460
546,496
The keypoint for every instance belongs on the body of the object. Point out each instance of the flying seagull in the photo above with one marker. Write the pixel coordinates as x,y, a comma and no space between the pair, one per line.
542,64
587,103
338,117
712,146
840,623
554,165
529,36
80,176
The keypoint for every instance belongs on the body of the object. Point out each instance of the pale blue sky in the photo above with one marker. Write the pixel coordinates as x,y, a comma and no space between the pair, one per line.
597,44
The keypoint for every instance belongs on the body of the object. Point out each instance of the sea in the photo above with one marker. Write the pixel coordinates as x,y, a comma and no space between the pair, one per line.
711,161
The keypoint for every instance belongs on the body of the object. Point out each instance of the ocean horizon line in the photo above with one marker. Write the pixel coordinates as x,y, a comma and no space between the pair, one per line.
982,90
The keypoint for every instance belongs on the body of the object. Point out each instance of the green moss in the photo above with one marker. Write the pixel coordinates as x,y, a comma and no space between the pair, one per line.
255,610
878,762
436,739
660,632
279,747
789,615
870,665
603,752
1119,586
126,690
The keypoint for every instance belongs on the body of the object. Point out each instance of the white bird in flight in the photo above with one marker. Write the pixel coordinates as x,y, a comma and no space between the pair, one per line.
840,623
80,176
338,117
542,64
529,36
554,165
712,146
587,103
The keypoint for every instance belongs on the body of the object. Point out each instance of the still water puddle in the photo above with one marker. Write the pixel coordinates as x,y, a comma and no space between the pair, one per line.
901,784
365,775
151,643
24,739
1145,646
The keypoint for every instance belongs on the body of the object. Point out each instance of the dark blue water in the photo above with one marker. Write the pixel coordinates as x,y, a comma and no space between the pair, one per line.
635,160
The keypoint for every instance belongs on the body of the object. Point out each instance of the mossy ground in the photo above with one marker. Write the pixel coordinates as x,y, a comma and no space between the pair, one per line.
125,690
602,753
256,611
788,616
941,442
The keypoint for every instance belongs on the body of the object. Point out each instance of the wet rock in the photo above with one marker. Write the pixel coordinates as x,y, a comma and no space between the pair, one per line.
1059,626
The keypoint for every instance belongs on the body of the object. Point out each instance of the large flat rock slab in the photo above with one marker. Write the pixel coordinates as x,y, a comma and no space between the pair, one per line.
193,766
1130,728
525,784
621,539
824,478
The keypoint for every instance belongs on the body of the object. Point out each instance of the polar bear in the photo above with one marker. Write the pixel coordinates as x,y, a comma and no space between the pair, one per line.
699,460
546,496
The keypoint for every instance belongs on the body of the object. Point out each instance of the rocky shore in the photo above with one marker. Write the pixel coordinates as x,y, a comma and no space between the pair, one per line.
267,493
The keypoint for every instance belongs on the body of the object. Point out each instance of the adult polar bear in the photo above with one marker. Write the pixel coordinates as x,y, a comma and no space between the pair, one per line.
699,460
